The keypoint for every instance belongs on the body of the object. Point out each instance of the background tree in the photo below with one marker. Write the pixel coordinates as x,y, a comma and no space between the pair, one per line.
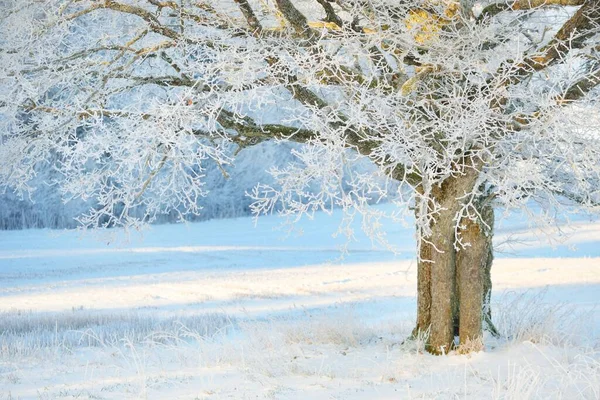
464,106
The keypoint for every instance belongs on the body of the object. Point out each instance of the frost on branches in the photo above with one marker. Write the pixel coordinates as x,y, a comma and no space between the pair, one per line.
462,106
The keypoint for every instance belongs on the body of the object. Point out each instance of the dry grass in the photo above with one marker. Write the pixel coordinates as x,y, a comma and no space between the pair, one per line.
336,347
471,346
24,334
529,317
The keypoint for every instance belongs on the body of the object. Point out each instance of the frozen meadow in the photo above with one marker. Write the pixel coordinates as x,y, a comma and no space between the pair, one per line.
226,310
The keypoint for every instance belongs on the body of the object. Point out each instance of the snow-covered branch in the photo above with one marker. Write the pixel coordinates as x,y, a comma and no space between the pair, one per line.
136,97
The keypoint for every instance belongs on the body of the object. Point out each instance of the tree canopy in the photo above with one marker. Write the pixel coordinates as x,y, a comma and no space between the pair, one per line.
122,90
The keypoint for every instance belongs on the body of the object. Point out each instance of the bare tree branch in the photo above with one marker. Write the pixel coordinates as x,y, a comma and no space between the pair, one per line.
571,35
250,16
298,21
496,8
581,88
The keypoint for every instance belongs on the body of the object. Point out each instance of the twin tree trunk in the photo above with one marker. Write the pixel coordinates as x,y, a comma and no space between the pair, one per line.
454,286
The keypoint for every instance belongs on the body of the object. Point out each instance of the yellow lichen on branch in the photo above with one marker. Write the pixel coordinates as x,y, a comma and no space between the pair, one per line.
425,25
332,26
410,85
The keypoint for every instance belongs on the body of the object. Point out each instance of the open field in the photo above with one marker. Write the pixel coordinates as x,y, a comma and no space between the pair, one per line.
223,309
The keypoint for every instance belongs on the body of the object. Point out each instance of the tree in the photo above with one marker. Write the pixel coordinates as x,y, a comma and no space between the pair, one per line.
465,106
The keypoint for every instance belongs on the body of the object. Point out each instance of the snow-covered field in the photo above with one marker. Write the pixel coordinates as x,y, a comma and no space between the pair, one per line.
223,309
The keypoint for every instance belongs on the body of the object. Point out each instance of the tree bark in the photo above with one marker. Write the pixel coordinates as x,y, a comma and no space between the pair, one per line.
423,289
487,214
437,285
456,309
469,278
442,284
482,240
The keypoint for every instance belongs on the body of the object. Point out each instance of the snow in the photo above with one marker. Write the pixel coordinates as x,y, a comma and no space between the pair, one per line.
48,209
225,309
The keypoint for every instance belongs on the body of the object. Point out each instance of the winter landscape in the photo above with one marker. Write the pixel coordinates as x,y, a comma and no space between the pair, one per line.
223,309
299,199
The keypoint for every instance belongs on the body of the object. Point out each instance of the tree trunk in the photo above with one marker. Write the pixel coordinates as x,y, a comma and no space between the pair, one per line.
437,278
462,284
488,218
481,239
441,337
423,289
469,278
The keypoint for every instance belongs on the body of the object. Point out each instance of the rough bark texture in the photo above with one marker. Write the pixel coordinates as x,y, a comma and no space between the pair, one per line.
456,310
437,287
423,289
442,284
469,270
443,271
487,214
484,241
462,284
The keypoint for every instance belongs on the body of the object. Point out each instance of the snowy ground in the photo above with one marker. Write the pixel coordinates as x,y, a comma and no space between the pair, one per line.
222,310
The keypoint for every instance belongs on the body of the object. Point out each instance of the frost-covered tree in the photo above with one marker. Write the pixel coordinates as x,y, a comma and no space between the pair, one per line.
462,106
